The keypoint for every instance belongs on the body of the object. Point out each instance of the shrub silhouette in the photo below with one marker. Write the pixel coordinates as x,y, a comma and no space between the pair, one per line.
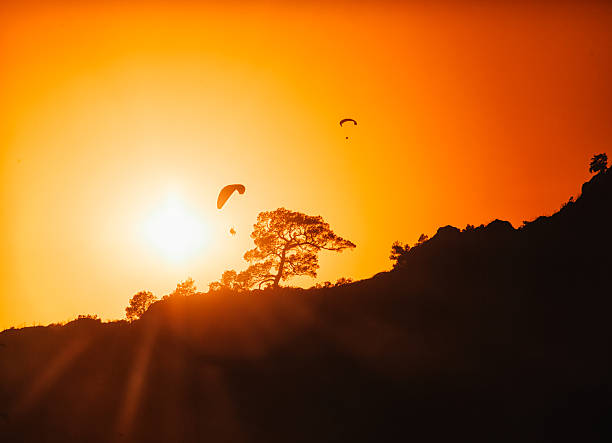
327,284
139,304
422,239
398,251
183,289
599,163
231,280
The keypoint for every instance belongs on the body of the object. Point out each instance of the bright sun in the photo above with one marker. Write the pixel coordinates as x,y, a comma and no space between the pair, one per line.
175,231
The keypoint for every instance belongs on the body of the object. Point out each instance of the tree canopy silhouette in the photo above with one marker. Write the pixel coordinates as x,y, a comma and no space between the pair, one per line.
183,289
287,244
231,280
139,304
422,239
398,252
599,163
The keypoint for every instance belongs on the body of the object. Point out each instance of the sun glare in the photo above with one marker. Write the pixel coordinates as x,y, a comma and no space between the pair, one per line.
175,231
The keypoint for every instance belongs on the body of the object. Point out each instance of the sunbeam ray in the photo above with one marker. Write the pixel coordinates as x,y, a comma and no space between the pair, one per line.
136,382
51,374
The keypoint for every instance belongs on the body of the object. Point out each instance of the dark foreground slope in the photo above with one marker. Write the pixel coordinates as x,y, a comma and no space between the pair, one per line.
492,334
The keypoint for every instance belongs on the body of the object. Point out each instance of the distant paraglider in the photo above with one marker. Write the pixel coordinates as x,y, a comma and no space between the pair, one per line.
346,120
232,231
227,192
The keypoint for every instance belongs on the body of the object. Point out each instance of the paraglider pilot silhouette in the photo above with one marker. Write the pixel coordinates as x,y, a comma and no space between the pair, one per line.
225,194
346,120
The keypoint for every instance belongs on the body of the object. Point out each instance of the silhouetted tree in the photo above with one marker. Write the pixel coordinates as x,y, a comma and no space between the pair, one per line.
422,239
343,281
398,252
183,289
286,245
327,284
139,304
599,163
231,280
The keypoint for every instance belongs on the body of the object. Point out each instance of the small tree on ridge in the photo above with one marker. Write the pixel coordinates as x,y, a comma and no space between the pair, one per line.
186,288
139,304
599,163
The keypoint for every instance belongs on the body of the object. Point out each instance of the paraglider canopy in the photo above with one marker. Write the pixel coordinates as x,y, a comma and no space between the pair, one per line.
226,193
344,120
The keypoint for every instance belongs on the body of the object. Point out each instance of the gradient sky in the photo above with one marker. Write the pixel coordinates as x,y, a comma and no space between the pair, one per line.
112,113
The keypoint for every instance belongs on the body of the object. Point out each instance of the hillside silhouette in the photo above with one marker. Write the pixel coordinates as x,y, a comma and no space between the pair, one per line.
485,334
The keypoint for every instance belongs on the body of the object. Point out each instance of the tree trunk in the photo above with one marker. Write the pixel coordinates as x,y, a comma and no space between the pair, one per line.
281,265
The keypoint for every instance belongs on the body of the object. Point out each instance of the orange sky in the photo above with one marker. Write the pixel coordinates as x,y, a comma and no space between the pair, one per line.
467,112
